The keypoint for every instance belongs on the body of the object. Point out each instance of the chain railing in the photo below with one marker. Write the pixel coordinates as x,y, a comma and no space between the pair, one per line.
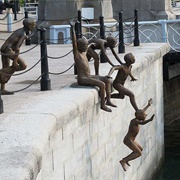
155,31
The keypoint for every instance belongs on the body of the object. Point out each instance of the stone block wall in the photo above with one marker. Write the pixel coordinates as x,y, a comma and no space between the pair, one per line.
90,145
147,10
63,134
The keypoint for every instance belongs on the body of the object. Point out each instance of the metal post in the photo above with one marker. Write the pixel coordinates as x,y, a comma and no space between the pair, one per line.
1,104
45,81
78,35
80,24
136,29
121,46
78,29
9,21
28,41
102,36
102,28
163,29
15,10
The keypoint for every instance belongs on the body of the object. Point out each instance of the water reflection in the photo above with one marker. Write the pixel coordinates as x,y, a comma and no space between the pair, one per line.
171,167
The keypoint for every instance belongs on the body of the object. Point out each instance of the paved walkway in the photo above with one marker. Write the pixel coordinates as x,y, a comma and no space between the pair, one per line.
31,54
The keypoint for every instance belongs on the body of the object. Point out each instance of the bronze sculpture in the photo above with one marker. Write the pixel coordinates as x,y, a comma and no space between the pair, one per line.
10,51
84,77
129,139
124,71
102,45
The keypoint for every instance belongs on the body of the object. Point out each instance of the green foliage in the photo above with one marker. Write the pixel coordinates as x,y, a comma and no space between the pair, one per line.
21,2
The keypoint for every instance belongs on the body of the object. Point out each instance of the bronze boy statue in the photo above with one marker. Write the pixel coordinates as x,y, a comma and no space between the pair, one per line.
129,139
10,51
84,77
102,45
123,72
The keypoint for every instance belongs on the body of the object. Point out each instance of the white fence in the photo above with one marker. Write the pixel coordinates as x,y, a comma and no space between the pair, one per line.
32,9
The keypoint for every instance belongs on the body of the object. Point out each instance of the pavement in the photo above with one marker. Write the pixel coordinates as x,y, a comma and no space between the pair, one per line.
26,84
61,70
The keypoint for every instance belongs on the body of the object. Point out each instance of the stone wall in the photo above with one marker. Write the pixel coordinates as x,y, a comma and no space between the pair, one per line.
63,134
90,145
66,9
171,100
147,10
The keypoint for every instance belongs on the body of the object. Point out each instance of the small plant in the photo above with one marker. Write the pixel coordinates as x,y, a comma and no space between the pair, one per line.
21,2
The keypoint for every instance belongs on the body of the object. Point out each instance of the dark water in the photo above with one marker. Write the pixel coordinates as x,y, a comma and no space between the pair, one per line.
171,167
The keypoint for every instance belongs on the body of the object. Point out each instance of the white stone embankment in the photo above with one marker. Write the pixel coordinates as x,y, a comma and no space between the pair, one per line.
63,134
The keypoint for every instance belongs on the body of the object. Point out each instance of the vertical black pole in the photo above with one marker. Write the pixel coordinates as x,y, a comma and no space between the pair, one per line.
121,47
136,30
28,41
80,23
102,36
15,10
78,35
45,81
1,104
102,28
78,29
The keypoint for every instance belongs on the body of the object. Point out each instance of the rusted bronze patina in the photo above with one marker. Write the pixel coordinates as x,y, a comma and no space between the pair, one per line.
84,76
10,51
129,139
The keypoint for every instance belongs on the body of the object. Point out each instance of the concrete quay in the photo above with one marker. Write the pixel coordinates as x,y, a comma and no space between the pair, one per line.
32,118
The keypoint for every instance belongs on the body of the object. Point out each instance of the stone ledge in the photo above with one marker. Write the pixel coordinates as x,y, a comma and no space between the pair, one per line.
25,134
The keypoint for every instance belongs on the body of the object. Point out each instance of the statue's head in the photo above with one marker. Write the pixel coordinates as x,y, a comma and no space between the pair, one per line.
111,41
82,44
140,114
129,58
29,24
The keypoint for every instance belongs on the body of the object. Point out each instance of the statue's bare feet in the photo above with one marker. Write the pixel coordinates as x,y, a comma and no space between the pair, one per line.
4,92
109,103
105,108
123,164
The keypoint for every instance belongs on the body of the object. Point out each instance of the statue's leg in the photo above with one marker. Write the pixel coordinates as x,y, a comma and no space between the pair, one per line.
21,63
108,90
94,55
95,81
5,73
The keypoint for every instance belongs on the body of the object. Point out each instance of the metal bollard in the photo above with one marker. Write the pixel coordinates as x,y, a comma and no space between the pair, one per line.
80,24
102,36
78,29
1,104
78,35
28,41
102,29
15,9
45,81
9,21
121,47
136,29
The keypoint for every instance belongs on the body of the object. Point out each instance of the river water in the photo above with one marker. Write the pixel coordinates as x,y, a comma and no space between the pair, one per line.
171,167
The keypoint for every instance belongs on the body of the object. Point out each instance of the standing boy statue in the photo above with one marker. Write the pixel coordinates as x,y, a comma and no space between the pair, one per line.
10,51
102,45
124,71
84,77
129,139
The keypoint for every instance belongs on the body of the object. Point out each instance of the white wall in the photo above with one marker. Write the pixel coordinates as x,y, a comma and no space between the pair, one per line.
63,134
91,144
